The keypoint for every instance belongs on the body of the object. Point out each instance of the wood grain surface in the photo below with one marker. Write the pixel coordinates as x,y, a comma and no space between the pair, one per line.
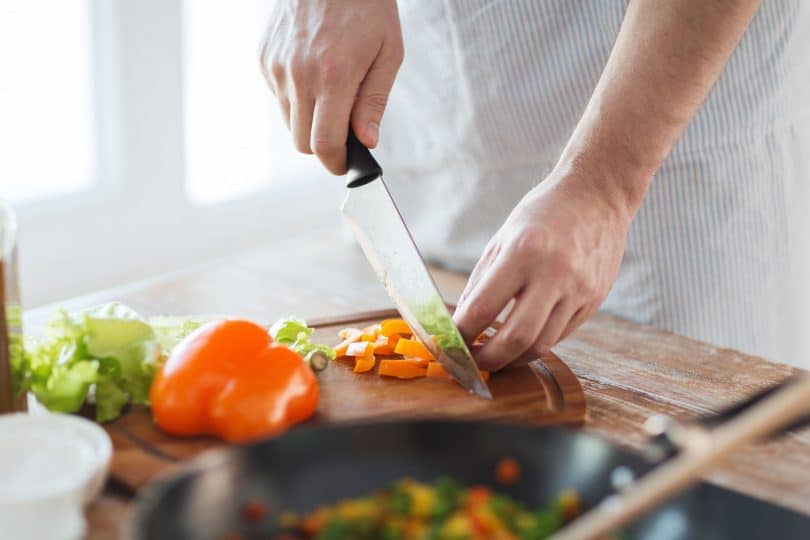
628,371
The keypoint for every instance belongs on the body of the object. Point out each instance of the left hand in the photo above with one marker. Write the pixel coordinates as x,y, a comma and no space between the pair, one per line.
557,255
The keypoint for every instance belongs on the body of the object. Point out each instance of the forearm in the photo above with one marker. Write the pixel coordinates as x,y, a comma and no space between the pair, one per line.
666,58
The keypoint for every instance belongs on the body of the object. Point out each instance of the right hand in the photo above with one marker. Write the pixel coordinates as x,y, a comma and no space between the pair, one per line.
331,63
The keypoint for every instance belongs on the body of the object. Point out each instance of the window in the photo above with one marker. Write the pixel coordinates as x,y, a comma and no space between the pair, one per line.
138,138
235,140
47,142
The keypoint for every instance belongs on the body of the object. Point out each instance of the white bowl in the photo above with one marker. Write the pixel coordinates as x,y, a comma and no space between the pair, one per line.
51,466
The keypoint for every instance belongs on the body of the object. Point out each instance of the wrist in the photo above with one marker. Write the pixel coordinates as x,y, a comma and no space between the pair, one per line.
608,168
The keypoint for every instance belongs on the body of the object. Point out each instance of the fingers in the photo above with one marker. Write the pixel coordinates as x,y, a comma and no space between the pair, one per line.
300,123
576,321
284,103
330,127
555,325
483,264
519,332
500,283
372,96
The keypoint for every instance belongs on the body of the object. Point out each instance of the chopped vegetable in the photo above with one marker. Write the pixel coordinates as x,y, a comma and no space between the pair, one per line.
507,471
349,336
363,364
230,379
392,342
436,370
294,333
254,510
385,345
317,360
360,348
435,321
412,347
395,327
407,368
370,333
443,510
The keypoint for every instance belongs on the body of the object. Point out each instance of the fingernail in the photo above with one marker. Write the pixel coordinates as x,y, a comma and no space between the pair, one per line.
373,132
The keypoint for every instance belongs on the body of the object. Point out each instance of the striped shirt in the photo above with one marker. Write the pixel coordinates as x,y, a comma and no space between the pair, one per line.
491,90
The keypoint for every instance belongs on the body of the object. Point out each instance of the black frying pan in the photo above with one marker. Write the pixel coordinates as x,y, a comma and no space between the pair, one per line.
313,466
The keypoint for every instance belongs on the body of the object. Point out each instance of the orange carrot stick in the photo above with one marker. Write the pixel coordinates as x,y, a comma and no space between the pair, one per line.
408,368
394,327
411,347
360,348
385,345
349,335
370,332
363,364
435,369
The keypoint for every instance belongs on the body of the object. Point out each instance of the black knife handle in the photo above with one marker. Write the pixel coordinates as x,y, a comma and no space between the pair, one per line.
361,165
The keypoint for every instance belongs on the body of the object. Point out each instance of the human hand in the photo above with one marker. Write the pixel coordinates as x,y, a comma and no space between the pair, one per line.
330,63
557,255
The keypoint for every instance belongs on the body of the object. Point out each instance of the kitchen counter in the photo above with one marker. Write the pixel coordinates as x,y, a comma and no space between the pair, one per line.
628,371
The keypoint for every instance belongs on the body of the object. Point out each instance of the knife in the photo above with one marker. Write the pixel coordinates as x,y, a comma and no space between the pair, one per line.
389,247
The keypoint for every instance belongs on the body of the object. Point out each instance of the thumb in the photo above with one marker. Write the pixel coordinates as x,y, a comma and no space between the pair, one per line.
372,98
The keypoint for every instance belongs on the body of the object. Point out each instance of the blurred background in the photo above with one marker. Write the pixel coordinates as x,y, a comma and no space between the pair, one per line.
138,138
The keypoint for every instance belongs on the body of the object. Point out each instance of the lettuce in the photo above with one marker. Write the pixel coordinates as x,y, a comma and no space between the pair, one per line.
108,352
294,333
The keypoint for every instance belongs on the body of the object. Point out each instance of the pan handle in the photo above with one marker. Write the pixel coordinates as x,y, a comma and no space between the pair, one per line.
361,165
670,436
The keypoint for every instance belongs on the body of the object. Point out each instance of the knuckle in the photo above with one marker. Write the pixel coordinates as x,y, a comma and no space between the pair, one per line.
329,71
529,242
297,69
564,263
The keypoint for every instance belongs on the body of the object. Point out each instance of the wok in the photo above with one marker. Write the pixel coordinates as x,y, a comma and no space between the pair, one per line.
318,465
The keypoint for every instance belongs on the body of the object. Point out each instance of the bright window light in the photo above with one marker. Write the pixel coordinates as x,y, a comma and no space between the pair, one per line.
235,140
47,142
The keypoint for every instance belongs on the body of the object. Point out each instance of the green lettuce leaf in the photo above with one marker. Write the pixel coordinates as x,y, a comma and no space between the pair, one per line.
169,331
294,333
108,352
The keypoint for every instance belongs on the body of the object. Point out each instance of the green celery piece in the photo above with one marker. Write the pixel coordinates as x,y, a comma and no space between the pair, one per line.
294,332
288,330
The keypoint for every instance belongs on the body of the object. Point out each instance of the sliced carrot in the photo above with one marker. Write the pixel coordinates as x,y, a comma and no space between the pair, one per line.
478,496
411,347
347,332
507,471
435,369
349,335
360,348
385,345
370,332
407,368
394,327
363,364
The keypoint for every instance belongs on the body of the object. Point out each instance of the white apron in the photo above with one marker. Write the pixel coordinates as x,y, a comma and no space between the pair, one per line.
720,249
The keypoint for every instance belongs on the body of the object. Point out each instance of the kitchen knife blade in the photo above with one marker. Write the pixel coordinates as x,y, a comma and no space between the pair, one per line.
389,247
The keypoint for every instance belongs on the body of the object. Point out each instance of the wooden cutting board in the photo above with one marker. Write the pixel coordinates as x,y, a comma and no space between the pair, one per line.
542,391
